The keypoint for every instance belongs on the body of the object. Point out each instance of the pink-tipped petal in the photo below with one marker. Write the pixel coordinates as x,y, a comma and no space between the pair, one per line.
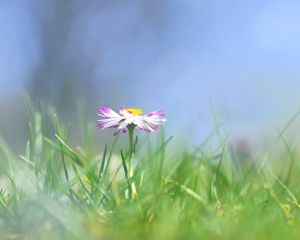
153,121
122,111
107,112
120,130
100,125
157,113
109,122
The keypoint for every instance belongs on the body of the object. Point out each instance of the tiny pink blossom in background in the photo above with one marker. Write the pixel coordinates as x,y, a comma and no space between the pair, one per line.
150,122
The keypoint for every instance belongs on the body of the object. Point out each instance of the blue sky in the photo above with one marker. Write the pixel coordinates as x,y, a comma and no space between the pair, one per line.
241,56
18,46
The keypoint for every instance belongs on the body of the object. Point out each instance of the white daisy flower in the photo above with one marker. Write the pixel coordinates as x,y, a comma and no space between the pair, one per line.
130,117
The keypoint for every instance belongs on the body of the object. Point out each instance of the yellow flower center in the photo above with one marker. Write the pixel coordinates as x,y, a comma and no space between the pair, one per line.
135,111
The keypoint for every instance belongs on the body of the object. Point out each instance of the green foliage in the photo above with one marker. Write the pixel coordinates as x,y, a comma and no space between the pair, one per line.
57,191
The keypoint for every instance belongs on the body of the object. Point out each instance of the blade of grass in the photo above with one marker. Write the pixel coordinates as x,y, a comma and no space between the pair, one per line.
101,170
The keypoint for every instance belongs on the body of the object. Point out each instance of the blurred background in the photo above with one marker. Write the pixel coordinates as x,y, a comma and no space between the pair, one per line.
192,58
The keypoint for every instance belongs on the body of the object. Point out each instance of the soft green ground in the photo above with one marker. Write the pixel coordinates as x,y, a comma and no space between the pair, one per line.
56,190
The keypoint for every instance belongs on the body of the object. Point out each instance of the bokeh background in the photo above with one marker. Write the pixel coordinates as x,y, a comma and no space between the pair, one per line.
239,59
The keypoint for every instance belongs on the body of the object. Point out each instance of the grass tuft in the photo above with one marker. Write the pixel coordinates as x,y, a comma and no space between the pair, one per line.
58,190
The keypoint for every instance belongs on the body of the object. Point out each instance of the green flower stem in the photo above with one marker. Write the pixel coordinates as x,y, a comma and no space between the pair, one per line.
131,142
130,159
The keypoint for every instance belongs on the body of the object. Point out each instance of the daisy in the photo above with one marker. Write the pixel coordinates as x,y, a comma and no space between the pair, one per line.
129,118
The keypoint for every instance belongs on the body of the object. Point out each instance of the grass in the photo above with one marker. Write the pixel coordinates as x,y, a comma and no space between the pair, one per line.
55,190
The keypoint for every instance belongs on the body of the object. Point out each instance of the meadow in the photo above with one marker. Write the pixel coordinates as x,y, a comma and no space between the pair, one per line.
59,188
